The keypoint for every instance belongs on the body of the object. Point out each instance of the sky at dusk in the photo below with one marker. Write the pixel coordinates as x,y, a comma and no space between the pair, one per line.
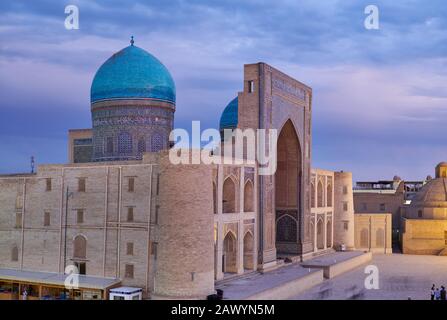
379,96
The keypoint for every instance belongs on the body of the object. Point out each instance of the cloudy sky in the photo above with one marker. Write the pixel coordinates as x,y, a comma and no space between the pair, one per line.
380,96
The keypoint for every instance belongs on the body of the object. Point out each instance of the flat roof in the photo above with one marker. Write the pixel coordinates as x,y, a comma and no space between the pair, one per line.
126,290
58,279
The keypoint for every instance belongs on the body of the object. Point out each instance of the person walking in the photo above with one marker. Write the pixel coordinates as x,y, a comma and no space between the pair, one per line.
432,292
443,293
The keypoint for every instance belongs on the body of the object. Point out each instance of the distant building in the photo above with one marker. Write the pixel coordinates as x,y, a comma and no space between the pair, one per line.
424,221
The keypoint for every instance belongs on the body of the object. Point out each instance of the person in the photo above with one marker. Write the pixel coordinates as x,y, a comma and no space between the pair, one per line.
437,294
24,295
432,292
443,293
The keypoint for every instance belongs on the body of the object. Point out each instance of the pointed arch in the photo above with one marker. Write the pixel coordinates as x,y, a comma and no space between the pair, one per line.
329,195
248,196
320,234
229,196
286,229
289,167
230,252
80,247
248,250
124,143
320,194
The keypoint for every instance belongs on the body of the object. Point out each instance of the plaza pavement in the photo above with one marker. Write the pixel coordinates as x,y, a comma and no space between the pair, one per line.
400,277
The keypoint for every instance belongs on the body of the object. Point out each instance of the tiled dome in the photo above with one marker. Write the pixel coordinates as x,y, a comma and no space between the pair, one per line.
132,73
229,117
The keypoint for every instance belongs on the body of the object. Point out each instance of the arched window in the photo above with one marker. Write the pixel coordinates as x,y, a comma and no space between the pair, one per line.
229,196
312,196
380,238
156,143
248,251
15,254
124,143
141,146
320,194
329,195
80,247
286,229
248,196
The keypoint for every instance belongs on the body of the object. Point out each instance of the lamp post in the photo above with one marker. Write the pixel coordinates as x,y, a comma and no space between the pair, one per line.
67,196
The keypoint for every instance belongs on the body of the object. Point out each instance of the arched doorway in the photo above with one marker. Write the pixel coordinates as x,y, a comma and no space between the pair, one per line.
248,251
230,253
287,187
320,234
329,234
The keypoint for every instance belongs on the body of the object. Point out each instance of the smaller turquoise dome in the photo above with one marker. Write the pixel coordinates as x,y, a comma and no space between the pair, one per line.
132,73
229,117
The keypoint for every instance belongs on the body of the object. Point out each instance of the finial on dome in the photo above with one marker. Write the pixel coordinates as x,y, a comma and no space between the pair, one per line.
131,41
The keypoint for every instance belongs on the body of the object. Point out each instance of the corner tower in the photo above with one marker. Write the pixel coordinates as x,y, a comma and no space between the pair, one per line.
132,103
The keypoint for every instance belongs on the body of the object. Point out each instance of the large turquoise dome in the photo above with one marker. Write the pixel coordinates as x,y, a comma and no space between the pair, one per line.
132,73
229,117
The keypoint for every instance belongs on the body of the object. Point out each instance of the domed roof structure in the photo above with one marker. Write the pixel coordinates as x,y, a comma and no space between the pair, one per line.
132,73
430,202
229,117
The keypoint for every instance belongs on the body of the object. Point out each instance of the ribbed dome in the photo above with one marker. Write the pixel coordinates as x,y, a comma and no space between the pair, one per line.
229,117
432,193
132,73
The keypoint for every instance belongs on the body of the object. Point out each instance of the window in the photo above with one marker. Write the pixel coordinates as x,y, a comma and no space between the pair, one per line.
345,206
129,214
154,249
48,184
345,225
129,249
131,185
81,184
128,272
124,143
420,214
345,190
382,207
156,143
157,207
80,216
158,184
18,219
251,86
81,267
15,254
46,219
109,148
141,146
80,247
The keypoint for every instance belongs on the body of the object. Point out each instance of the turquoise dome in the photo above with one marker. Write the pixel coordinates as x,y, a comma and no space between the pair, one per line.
229,117
132,73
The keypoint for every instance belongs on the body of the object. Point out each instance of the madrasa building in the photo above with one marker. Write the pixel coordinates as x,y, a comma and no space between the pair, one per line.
123,214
